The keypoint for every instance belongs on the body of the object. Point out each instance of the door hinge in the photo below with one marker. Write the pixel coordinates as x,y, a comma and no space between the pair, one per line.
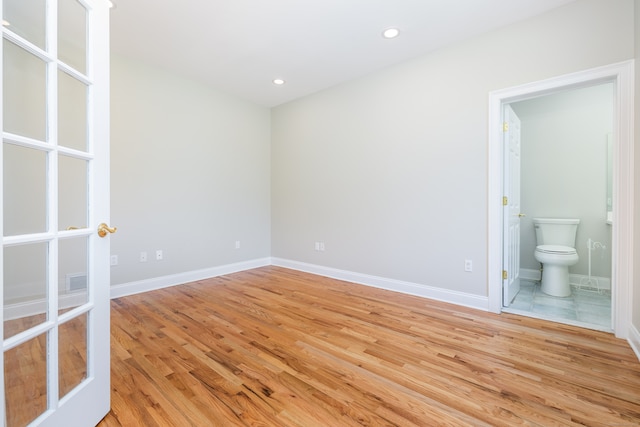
505,127
504,275
505,201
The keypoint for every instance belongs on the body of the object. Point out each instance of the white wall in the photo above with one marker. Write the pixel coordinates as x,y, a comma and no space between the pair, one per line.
190,174
390,170
564,170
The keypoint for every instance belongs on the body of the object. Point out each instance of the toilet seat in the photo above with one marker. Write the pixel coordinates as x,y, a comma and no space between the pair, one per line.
556,249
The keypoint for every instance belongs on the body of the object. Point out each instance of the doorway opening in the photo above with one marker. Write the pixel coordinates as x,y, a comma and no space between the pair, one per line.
562,142
619,77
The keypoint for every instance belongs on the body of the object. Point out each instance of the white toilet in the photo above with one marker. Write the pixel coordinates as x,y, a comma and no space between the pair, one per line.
556,251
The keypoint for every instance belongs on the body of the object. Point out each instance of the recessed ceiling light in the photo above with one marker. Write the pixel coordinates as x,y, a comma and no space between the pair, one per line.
391,33
111,4
278,82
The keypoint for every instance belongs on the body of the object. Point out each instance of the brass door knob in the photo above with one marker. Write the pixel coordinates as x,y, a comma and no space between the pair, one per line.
103,229
520,215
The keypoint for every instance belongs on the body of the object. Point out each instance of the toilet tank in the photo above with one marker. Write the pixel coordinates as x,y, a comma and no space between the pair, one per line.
556,231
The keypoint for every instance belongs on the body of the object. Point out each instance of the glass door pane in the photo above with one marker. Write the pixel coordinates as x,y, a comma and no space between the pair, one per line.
25,287
26,18
24,190
72,34
24,98
72,112
72,358
25,379
73,273
72,192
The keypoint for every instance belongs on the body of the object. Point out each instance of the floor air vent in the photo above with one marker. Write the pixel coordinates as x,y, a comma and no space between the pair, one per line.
76,282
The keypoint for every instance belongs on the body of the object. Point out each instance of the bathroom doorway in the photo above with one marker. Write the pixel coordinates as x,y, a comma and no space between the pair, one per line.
564,172
620,77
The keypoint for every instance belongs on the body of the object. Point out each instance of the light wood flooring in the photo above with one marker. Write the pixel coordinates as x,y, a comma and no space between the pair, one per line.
276,347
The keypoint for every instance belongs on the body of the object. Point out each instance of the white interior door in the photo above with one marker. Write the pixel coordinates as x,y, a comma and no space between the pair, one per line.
512,214
55,177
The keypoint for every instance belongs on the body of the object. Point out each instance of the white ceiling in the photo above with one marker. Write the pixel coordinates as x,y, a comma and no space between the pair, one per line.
240,46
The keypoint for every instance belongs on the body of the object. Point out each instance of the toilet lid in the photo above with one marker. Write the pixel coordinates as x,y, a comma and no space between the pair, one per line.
556,249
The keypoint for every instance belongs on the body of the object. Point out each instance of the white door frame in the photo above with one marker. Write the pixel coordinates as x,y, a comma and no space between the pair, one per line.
622,75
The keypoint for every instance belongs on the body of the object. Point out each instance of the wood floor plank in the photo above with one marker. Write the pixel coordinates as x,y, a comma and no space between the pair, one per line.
277,347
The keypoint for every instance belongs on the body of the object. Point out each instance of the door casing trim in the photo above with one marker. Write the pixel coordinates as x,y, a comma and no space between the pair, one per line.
622,75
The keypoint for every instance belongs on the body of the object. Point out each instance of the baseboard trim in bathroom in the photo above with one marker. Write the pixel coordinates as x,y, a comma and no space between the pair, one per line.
590,283
575,280
530,274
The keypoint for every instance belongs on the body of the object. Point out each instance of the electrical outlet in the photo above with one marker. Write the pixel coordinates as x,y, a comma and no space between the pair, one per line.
317,246
468,265
159,255
237,244
114,260
143,257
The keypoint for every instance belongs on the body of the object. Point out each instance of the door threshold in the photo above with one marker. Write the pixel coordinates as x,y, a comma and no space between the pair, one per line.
556,319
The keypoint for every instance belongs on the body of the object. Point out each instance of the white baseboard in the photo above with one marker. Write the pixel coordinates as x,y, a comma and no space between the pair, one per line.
181,278
582,281
634,340
439,294
38,305
577,280
530,274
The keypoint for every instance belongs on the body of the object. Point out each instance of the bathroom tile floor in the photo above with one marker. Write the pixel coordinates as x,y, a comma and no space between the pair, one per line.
584,307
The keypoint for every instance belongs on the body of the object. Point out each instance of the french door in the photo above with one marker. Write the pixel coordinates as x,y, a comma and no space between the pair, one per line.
55,197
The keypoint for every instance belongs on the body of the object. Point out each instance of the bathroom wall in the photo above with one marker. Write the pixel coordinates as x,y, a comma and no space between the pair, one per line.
564,169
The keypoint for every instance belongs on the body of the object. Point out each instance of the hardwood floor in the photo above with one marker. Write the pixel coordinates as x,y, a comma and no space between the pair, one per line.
276,347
